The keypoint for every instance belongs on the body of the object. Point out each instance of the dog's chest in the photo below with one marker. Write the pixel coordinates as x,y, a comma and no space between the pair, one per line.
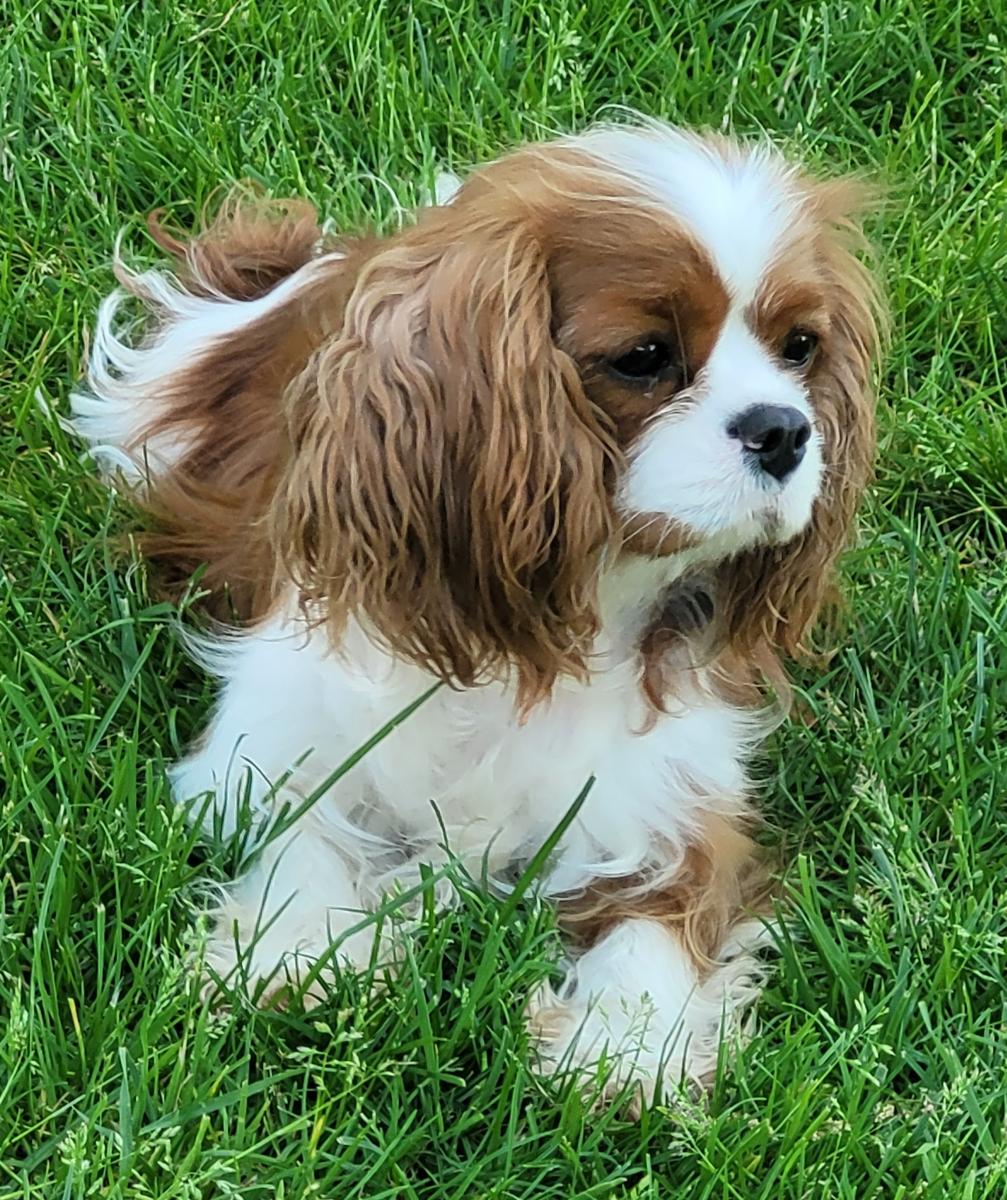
466,763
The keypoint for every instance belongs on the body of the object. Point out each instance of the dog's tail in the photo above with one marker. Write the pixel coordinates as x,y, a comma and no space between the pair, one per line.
187,369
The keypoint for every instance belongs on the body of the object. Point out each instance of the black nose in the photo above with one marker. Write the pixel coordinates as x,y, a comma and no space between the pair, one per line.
775,435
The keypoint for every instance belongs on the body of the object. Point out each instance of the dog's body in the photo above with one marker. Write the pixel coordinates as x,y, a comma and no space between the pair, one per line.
583,446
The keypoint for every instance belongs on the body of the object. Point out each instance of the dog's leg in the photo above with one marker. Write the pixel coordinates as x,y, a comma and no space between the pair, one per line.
668,974
272,744
636,1006
292,908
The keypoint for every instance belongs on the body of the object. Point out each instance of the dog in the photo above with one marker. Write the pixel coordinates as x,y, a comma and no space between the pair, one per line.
581,445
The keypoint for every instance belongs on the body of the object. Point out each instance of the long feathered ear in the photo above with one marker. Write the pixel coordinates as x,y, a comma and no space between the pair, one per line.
447,478
773,595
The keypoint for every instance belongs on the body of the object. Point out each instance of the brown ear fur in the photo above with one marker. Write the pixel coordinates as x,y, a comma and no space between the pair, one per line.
771,596
245,247
447,480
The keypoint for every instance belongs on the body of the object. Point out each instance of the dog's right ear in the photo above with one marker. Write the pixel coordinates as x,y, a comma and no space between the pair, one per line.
446,482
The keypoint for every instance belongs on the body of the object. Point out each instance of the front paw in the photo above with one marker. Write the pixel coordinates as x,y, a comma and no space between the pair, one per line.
621,1045
273,957
634,1016
267,977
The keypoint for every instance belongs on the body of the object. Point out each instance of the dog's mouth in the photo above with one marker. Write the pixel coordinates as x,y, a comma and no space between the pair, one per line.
656,535
653,535
771,523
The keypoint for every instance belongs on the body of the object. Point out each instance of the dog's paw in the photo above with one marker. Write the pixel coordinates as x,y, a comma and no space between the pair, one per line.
606,1041
228,968
634,1018
293,955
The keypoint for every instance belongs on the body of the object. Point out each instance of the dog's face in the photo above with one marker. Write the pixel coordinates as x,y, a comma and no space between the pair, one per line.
631,342
707,377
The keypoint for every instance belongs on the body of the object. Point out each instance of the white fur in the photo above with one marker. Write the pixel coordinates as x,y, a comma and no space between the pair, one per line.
464,764
636,1001
740,207
688,467
293,908
446,187
465,771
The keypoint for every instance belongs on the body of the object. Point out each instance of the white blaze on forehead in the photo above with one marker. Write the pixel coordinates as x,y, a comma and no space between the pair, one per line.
740,206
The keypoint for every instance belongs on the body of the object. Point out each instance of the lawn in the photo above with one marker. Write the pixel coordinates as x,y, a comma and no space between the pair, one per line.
879,1067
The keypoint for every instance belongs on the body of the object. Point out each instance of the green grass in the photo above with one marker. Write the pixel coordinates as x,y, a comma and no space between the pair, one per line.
880,1063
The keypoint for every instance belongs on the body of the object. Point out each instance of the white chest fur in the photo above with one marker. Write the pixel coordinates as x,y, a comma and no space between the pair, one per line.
464,763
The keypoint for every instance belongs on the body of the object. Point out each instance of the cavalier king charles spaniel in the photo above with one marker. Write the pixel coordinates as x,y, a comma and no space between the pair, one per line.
581,444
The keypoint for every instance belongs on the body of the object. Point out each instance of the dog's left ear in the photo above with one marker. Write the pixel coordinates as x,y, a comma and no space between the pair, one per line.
447,480
771,596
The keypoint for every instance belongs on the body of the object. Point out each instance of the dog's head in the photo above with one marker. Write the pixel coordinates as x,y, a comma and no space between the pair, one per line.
632,342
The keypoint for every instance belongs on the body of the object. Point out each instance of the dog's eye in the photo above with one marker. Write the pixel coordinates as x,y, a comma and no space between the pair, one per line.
798,347
646,360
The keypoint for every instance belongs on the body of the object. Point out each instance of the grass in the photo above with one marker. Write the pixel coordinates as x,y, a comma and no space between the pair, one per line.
880,1062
